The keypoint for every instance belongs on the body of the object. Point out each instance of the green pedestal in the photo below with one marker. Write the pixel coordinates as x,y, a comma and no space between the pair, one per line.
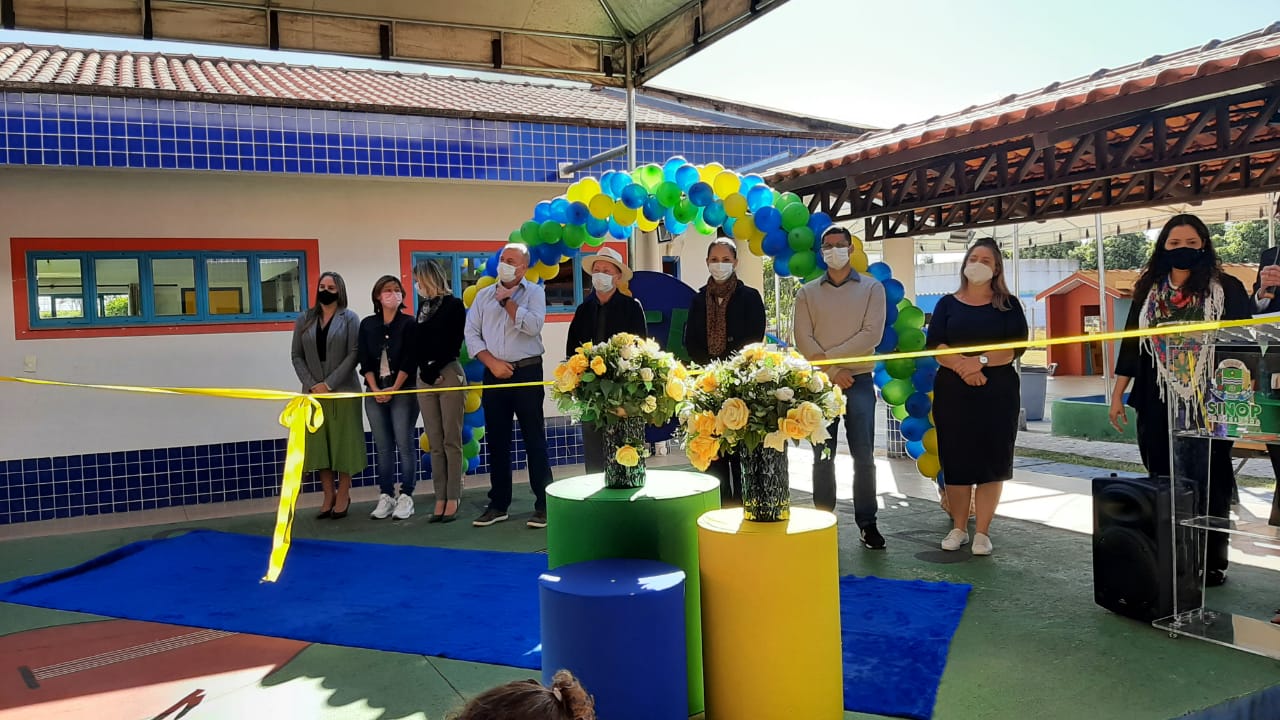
659,521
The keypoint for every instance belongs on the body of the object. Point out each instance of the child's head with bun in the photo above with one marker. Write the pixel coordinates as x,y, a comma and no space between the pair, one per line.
530,700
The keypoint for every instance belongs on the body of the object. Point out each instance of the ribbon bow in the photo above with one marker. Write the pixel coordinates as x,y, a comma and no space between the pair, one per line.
302,415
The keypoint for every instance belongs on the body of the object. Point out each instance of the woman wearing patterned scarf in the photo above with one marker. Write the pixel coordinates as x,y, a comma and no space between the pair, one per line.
1181,282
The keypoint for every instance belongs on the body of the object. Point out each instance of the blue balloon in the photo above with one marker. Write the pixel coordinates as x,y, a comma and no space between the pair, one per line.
927,363
578,213
748,182
670,167
542,211
890,314
701,194
919,404
818,222
687,177
893,291
474,419
768,218
729,224
619,231
633,196
888,341
714,214
559,210
618,183
881,377
914,428
675,227
606,183
759,197
491,265
653,210
775,243
915,449
467,434
880,271
547,254
596,227
474,371
922,379
781,269
878,366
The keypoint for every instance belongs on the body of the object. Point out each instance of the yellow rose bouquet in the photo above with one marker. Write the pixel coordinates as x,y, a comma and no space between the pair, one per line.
619,386
753,404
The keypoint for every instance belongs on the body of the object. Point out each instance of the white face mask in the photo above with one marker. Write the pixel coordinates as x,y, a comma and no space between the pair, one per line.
720,271
978,273
506,273
836,258
602,282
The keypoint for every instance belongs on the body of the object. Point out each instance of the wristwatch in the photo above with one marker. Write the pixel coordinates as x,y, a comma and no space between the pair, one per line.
983,359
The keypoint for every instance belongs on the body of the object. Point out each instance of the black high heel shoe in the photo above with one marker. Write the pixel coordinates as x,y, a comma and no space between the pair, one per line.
339,514
449,518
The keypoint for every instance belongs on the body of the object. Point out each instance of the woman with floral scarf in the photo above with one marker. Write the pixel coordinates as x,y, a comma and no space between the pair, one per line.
1181,282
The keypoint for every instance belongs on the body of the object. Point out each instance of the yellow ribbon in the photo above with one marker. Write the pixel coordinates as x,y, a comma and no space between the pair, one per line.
303,414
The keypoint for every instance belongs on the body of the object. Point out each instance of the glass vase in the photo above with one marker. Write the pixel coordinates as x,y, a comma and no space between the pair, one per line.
766,492
618,433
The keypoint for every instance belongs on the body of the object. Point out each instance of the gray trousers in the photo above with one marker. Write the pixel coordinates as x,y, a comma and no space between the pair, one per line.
442,420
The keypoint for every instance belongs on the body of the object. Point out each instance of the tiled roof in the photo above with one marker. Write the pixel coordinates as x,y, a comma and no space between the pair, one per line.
1154,72
56,69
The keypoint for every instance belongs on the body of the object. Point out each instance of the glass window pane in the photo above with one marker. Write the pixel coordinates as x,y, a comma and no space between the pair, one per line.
228,285
560,290
60,288
469,267
118,282
281,284
173,284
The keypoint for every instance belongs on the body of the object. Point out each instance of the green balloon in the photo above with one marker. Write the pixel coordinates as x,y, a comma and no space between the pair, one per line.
516,236
900,412
896,392
702,227
529,233
464,357
901,368
477,434
785,199
550,232
903,304
575,236
668,194
817,273
685,211
802,263
471,449
911,340
650,176
800,239
911,317
795,216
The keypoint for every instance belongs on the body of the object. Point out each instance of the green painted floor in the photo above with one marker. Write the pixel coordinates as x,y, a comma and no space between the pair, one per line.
1032,643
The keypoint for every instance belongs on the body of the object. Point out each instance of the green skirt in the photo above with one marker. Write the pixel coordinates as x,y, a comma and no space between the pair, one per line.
339,443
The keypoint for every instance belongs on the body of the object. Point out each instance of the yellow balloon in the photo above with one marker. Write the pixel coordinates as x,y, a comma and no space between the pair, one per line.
623,215
929,465
858,261
601,206
575,193
754,246
856,244
646,225
424,443
485,281
726,183
930,440
471,402
735,205
549,272
746,228
708,172
469,295
590,187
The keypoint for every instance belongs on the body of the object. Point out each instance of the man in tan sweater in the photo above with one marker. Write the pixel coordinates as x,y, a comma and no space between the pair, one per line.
841,315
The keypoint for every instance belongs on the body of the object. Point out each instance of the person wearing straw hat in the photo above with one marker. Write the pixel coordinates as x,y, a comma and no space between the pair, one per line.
608,310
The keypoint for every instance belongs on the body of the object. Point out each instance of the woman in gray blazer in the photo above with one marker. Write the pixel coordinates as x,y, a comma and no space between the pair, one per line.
324,357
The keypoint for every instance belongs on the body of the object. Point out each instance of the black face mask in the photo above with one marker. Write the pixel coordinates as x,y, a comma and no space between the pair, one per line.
324,297
1183,258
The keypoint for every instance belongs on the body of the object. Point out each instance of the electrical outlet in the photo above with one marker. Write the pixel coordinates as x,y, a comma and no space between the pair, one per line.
29,364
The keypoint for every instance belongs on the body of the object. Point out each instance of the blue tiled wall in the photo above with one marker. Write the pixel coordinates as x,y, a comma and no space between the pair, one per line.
84,131
125,481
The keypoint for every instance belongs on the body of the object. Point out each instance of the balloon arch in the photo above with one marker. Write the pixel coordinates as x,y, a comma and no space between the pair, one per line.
681,195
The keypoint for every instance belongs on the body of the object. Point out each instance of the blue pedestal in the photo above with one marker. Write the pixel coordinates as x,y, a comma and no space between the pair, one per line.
619,625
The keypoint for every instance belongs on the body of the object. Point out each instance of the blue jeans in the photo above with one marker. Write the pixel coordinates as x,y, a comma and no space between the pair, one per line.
392,424
860,431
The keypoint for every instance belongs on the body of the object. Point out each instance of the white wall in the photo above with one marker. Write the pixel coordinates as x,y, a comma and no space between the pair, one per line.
358,223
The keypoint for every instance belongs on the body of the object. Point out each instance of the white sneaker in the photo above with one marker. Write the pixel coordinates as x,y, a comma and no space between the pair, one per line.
385,505
955,539
981,544
404,507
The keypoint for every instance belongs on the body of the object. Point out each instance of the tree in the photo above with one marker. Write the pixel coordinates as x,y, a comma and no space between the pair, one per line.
1126,251
1057,251
786,295
117,307
1241,242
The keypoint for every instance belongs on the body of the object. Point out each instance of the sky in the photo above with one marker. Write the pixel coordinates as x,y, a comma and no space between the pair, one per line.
885,63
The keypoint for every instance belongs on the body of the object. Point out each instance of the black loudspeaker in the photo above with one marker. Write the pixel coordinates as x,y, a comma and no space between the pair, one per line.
1134,552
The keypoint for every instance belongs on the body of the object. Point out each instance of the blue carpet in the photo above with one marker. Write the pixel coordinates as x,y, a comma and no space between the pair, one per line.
386,597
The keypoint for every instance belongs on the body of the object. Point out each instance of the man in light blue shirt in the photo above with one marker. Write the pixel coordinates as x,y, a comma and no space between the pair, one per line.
504,332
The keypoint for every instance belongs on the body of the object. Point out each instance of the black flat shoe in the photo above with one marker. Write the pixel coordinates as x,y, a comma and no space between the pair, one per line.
1215,578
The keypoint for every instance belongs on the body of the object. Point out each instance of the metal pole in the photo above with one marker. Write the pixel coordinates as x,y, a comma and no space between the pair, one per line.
1016,296
631,139
1102,306
1271,219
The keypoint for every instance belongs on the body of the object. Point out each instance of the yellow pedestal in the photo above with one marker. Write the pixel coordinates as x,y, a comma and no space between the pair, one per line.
771,616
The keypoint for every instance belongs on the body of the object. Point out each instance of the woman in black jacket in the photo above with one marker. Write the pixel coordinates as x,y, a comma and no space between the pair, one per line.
441,319
1182,281
726,316
386,363
603,314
